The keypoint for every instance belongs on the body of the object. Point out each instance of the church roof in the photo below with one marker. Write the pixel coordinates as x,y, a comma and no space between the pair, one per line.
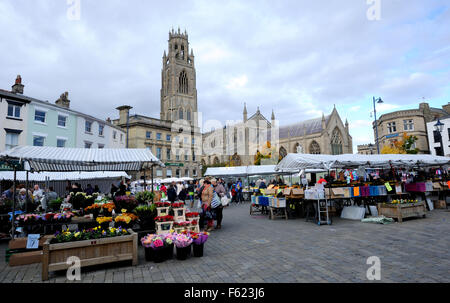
303,128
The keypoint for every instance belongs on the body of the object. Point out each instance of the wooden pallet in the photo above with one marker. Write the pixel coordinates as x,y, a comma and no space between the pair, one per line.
402,211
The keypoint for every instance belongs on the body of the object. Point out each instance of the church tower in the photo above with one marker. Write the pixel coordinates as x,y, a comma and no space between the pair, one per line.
178,80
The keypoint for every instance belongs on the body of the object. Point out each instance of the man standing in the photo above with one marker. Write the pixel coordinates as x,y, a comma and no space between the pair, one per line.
239,191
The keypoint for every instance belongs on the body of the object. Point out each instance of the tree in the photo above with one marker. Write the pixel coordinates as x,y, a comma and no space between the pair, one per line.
404,146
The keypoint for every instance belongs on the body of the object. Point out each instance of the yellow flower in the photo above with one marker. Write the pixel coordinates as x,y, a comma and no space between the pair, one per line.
77,235
123,210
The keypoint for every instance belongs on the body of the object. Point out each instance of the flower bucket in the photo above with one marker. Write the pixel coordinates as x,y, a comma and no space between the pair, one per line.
169,251
183,252
149,254
198,250
159,255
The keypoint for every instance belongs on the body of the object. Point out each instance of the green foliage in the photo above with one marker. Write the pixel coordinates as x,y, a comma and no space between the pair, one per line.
145,211
56,204
144,197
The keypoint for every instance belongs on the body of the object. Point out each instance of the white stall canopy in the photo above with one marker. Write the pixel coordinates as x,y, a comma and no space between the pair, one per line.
82,159
326,162
63,176
244,171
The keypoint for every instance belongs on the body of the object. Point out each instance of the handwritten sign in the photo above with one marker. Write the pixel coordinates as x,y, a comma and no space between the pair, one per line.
33,241
388,186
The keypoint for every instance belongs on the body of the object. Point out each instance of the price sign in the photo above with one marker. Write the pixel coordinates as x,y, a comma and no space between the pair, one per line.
33,241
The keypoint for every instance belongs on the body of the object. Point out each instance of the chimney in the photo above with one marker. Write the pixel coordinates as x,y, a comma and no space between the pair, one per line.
63,100
124,112
446,108
17,88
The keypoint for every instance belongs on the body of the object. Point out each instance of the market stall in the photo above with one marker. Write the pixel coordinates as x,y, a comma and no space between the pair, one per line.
50,159
383,186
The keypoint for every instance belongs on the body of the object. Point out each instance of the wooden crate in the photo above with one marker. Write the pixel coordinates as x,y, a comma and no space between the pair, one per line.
162,211
163,227
440,204
179,214
401,211
90,252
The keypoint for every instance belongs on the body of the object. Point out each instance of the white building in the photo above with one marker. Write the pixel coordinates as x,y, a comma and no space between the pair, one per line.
96,133
13,116
434,138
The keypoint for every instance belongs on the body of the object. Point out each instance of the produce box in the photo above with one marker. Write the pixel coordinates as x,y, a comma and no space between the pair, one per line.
440,204
270,191
337,193
297,191
287,191
278,202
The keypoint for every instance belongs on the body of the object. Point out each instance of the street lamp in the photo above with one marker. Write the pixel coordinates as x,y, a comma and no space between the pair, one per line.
438,127
378,100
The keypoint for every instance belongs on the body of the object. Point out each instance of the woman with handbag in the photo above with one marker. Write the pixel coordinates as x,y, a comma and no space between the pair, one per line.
207,195
220,190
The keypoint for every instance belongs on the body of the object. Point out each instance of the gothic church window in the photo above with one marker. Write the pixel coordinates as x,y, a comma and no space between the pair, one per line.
283,152
314,148
188,114
180,114
336,142
183,83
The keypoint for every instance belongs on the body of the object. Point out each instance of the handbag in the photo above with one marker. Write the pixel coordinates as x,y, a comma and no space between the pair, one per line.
225,200
215,201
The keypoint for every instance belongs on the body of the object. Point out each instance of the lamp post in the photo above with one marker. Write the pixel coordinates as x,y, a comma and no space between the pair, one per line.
438,127
378,100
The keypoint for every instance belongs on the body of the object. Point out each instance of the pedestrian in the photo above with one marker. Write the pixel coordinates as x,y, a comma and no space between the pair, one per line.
207,196
97,189
182,194
220,190
172,192
22,199
191,190
239,198
89,190
113,190
51,194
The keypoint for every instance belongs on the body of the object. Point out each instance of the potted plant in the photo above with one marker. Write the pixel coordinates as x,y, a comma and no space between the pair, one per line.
125,220
146,241
107,209
198,241
168,245
104,222
144,197
125,202
157,245
183,244
93,209
146,214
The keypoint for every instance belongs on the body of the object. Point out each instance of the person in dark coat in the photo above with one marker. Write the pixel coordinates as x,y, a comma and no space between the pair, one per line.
172,192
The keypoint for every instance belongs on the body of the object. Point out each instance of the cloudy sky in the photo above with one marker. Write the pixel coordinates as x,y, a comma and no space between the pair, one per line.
297,57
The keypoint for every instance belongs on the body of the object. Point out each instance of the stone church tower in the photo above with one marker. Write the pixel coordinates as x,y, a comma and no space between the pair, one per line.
178,90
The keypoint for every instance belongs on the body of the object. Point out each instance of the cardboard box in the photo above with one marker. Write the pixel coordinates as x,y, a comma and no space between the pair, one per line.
337,192
271,191
440,204
25,258
297,191
287,191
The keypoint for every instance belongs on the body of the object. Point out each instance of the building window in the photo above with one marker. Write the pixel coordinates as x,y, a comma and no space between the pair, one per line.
148,135
87,144
39,116
12,140
186,156
177,173
38,141
158,136
194,173
101,127
168,137
88,126
62,120
188,115
186,172
314,148
13,111
185,140
336,142
100,146
159,173
448,131
114,135
437,136
408,125
177,155
169,173
60,143
158,152
392,128
183,83
168,151
180,114
193,156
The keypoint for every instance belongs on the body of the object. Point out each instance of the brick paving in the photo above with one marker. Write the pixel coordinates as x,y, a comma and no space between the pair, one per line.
256,249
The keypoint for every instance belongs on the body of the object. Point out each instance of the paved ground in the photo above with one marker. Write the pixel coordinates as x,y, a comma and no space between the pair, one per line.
255,249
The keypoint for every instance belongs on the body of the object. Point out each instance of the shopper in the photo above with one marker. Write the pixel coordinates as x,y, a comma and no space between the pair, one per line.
191,190
89,190
113,190
9,193
97,189
172,192
207,196
22,199
220,190
239,198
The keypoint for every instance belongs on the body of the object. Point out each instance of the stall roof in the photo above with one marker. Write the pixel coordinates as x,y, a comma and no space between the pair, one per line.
243,171
309,161
62,176
82,159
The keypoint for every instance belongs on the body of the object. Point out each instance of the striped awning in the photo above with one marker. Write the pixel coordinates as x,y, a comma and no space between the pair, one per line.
82,159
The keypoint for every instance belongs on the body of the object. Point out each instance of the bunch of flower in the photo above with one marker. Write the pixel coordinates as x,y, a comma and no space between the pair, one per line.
127,202
194,222
126,218
168,239
29,218
157,242
101,220
164,218
93,207
182,240
162,204
181,224
89,234
108,206
192,214
178,205
90,199
64,216
147,240
199,238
